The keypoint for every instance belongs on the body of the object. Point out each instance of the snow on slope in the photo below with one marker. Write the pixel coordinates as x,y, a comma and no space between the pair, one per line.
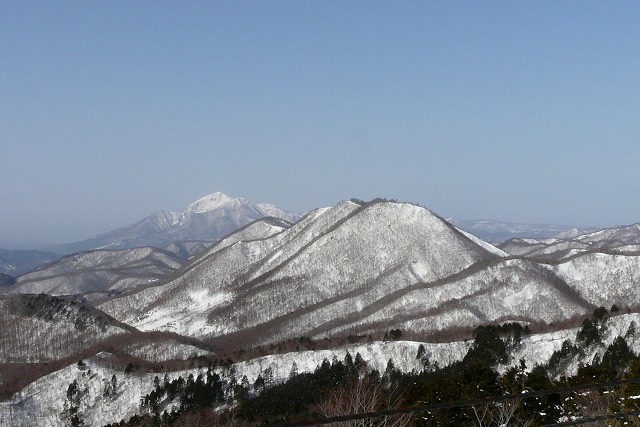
510,290
160,350
603,279
98,272
537,349
42,402
629,234
6,268
257,230
146,308
546,249
38,328
488,246
329,264
188,249
275,212
499,231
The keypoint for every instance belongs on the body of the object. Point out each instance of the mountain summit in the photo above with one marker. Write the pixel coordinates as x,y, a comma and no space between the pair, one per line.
207,219
210,203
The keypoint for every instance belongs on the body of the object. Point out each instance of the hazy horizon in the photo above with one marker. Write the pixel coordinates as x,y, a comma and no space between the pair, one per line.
43,245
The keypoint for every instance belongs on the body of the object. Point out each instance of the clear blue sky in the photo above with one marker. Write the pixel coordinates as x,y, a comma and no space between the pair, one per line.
518,111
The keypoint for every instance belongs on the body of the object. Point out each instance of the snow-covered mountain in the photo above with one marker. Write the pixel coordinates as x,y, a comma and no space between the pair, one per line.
338,269
98,273
622,235
615,240
206,219
258,229
499,231
188,249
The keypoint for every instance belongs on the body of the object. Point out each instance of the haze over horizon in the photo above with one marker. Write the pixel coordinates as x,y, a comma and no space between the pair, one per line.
517,112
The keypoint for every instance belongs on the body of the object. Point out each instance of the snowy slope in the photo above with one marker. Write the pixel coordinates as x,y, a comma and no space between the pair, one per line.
493,249
629,234
188,249
510,290
207,219
42,402
604,279
33,406
38,328
98,273
257,230
7,268
547,249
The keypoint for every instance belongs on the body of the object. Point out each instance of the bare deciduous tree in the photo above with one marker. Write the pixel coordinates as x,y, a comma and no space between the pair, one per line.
499,414
361,396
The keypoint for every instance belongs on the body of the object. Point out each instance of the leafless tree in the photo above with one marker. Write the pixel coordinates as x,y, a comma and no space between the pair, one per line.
361,396
499,414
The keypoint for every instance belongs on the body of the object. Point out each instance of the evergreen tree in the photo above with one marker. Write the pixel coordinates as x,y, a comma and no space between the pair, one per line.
268,377
616,358
294,370
258,384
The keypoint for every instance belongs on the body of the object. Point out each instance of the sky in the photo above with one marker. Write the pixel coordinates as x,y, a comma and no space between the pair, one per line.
517,111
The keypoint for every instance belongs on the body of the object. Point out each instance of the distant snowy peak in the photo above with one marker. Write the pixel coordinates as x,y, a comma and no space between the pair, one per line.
206,220
217,201
211,202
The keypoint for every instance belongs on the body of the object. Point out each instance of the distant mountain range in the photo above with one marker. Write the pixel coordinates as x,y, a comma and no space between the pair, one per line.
205,221
499,231
186,233
99,273
615,240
